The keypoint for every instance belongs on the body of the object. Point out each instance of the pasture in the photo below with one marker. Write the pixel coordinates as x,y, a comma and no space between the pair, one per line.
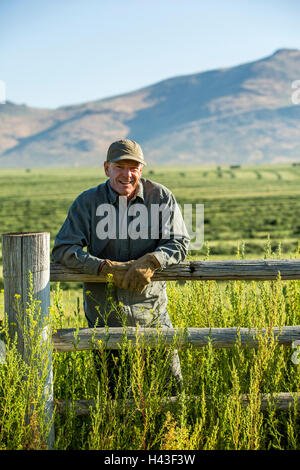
249,212
246,203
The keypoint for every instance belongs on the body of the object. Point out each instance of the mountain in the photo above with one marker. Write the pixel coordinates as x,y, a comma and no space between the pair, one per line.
236,115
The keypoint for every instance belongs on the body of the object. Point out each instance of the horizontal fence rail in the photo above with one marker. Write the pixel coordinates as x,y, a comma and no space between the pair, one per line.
282,401
87,338
248,270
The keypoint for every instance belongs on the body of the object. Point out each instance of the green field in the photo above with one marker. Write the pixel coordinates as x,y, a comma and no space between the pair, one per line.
249,212
240,204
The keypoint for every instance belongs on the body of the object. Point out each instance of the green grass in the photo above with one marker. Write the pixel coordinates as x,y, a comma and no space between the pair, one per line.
218,377
243,207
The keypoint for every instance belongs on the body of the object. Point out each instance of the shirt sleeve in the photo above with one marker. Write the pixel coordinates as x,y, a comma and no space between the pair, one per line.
174,238
73,237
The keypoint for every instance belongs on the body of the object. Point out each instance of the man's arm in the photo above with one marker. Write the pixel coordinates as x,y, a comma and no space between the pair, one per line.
73,236
174,239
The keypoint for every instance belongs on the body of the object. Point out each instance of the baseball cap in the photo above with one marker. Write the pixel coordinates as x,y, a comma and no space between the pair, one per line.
125,149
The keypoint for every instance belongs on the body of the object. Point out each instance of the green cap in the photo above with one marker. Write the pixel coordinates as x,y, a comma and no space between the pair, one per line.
125,150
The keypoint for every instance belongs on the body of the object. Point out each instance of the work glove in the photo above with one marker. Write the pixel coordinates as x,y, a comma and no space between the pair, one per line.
116,269
140,273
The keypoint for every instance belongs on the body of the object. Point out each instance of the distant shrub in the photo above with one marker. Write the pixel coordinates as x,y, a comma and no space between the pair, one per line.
258,174
219,172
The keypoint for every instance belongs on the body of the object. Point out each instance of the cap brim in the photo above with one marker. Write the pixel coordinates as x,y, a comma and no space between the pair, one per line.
128,157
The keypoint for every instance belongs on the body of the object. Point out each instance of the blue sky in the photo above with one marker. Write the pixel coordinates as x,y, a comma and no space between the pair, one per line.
61,52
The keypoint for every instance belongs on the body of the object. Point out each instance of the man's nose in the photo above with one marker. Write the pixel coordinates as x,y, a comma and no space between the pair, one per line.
127,172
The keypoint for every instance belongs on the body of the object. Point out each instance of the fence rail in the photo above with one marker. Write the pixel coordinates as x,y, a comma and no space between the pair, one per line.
24,252
70,339
282,401
247,270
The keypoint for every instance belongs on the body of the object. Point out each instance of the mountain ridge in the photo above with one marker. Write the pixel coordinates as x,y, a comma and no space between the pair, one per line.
234,115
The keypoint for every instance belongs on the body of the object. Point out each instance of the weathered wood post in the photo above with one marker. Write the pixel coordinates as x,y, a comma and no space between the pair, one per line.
26,273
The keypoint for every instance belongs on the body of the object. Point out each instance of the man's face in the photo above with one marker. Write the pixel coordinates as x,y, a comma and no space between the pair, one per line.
124,176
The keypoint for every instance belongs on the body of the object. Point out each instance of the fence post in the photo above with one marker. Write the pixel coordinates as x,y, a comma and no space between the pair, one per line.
25,253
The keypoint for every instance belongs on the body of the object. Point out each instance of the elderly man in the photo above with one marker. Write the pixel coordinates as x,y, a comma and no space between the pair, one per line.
104,220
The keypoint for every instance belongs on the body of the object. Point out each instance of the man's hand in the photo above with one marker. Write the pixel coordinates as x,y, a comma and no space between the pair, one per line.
140,273
116,269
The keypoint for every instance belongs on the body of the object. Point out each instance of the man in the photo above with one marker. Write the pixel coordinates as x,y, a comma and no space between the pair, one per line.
119,243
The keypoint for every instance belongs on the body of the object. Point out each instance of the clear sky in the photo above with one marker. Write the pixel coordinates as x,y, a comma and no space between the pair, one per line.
60,52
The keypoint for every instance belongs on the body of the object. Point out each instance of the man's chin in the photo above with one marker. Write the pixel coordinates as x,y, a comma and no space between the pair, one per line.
126,193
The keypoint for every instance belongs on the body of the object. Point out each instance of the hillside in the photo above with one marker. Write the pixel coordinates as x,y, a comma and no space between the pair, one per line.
237,115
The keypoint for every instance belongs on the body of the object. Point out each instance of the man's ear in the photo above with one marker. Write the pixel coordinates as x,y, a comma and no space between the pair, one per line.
106,168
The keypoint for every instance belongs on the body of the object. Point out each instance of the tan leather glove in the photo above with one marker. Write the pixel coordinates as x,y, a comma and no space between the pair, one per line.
116,268
140,273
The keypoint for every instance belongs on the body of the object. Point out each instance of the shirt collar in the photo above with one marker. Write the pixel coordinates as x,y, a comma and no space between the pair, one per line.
139,191
112,195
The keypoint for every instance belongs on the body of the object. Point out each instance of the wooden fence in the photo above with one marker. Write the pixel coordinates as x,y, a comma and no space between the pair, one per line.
30,252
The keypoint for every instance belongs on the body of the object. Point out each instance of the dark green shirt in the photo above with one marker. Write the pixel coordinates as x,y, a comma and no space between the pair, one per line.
78,245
